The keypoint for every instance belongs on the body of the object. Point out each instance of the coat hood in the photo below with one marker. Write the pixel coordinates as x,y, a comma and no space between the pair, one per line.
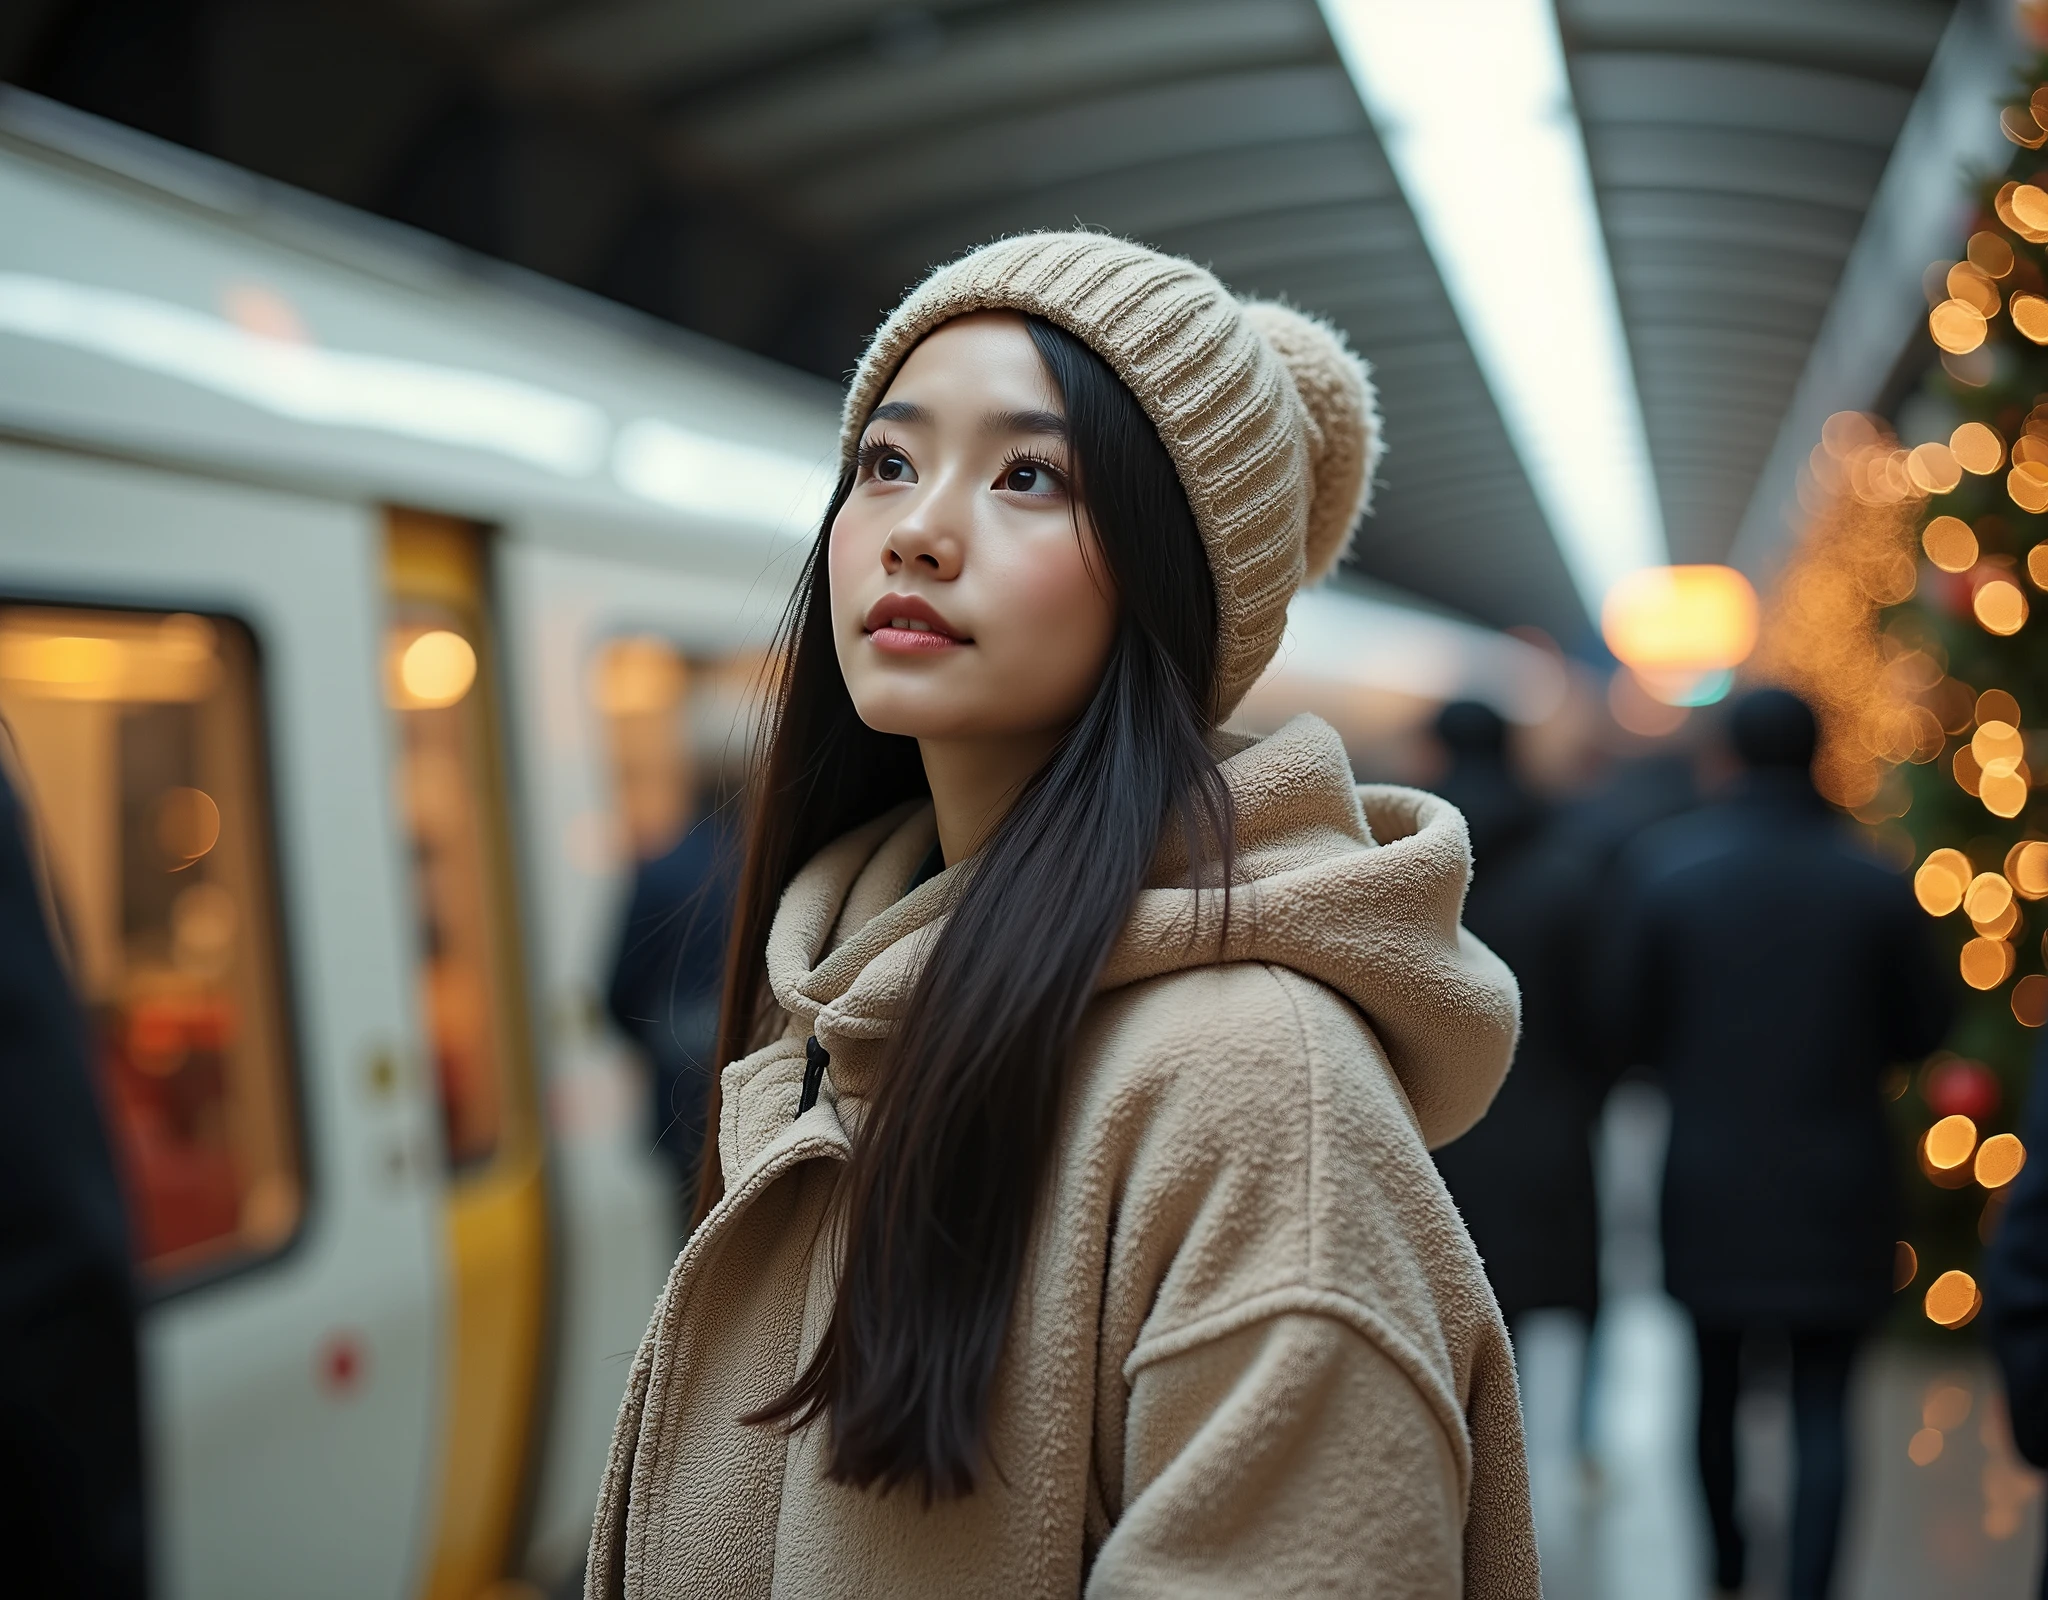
1357,887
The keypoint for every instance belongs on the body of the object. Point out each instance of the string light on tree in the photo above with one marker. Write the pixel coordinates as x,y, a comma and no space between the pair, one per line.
1907,616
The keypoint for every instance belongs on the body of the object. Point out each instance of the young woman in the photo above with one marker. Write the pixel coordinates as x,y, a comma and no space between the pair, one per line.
1071,1227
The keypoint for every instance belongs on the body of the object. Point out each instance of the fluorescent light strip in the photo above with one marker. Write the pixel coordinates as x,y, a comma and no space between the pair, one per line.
339,388
1474,110
656,461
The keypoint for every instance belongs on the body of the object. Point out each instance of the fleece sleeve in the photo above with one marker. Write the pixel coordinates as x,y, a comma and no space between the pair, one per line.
1287,1457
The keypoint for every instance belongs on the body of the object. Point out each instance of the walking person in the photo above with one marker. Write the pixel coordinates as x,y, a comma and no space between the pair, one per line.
1523,1177
667,970
1770,972
1072,1227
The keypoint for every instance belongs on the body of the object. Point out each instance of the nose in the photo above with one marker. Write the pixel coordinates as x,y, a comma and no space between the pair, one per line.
926,541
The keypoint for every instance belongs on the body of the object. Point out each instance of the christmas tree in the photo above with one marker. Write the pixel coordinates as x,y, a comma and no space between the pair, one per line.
1907,616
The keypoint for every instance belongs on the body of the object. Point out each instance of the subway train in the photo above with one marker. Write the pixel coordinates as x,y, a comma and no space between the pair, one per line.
365,610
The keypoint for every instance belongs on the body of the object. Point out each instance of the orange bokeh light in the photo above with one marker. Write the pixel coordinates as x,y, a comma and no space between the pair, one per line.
2026,869
1941,880
1952,1299
2000,607
1977,448
1950,544
1681,619
1999,1159
1987,897
1985,964
1949,1142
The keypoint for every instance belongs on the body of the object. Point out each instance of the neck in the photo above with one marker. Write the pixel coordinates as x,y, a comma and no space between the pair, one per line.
974,783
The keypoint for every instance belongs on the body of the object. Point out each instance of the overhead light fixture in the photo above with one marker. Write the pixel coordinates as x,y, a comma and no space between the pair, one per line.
1682,630
1681,619
1475,113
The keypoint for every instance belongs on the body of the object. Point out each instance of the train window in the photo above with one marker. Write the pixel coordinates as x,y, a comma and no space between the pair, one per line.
437,684
137,738
640,684
680,732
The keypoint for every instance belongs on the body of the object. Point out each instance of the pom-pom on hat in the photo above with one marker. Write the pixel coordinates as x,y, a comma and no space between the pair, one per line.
1270,419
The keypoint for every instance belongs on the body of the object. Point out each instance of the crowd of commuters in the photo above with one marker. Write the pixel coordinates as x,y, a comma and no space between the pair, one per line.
1750,958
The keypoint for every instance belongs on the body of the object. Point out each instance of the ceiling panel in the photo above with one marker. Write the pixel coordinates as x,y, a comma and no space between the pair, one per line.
995,63
871,184
1734,156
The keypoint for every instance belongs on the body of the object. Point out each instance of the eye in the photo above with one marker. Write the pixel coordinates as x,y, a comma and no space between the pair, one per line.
1031,477
885,463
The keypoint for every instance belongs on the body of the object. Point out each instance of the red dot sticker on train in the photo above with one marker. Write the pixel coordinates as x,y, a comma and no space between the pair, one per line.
341,1364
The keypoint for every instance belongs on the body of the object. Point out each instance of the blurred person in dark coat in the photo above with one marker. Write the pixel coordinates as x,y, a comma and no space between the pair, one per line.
2016,1287
666,979
71,1486
1770,971
1523,1177
668,962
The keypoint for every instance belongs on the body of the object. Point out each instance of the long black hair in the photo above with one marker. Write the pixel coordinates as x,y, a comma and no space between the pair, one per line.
944,1179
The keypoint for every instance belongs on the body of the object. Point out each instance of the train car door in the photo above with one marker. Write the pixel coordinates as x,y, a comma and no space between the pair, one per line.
189,673
443,687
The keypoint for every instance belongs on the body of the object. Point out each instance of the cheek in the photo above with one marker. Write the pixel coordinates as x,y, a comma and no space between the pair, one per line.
1057,621
850,549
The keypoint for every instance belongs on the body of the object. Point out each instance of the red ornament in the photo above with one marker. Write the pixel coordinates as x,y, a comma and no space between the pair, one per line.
1963,1088
1951,592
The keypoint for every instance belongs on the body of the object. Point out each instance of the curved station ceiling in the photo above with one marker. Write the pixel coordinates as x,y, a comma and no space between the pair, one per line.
774,172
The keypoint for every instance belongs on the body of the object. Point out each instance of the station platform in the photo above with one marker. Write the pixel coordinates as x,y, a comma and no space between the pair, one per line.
1623,1520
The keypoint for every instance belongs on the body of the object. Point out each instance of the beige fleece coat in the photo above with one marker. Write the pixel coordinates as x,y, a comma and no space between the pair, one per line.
1253,1352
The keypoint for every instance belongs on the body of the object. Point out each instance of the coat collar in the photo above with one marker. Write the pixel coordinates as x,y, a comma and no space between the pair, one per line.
848,943
1357,889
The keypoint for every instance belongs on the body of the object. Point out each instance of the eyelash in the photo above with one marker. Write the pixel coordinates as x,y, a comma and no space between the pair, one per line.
876,449
1024,458
872,452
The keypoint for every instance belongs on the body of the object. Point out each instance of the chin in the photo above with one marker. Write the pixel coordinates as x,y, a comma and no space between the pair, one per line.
924,715
915,722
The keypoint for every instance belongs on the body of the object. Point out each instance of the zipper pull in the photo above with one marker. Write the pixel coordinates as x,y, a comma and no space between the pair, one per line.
816,1059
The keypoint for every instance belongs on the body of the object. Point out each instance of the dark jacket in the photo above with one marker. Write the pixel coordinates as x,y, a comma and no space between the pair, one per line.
2016,1282
666,977
1523,1178
2016,1286
71,1502
1770,971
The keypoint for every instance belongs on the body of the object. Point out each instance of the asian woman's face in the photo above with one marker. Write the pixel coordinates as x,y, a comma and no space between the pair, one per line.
969,598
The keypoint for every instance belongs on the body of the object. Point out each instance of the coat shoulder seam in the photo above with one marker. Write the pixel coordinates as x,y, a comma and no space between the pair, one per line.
1332,1305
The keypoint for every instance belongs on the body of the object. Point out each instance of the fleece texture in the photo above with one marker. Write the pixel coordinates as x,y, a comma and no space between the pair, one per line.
1253,1351
1270,418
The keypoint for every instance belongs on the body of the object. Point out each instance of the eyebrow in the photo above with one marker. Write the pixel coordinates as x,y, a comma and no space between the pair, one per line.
996,422
1046,422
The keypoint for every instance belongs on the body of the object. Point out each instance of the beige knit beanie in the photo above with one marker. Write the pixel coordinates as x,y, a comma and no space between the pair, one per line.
1271,420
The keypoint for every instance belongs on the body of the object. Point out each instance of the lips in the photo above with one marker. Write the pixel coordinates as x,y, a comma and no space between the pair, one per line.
904,624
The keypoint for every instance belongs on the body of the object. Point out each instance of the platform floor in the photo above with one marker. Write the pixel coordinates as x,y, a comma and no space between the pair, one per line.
1623,1520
